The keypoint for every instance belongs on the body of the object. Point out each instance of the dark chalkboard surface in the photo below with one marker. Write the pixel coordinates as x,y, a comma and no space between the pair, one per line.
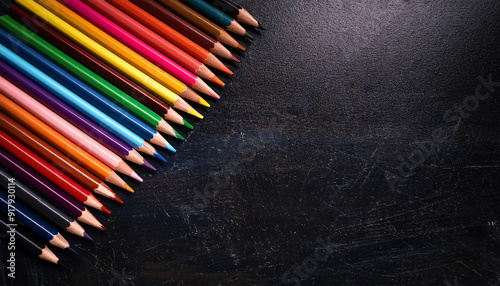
356,144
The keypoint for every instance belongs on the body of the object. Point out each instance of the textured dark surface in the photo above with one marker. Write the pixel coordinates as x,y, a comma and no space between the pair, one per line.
294,156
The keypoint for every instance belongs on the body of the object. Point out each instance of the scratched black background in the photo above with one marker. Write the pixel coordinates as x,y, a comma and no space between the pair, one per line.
294,156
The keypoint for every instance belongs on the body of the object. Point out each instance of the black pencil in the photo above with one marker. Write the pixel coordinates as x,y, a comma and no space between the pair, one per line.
31,221
32,246
43,206
235,11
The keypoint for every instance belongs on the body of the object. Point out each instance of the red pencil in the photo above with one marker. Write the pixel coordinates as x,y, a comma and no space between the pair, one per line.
101,68
50,172
160,33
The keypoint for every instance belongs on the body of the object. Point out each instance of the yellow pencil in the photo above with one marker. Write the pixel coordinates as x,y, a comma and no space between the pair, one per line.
126,53
127,69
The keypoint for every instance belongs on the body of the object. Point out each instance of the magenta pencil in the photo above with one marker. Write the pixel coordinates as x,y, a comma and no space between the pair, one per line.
140,46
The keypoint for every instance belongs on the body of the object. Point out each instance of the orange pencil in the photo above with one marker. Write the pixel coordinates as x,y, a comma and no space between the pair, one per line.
159,30
60,142
50,172
128,54
58,159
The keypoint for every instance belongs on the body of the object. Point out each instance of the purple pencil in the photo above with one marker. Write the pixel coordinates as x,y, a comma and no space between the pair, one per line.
109,140
48,189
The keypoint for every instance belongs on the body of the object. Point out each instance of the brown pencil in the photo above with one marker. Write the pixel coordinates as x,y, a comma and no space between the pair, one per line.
201,22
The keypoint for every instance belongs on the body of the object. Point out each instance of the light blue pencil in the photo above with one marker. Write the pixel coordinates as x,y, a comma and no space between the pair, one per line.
83,90
77,102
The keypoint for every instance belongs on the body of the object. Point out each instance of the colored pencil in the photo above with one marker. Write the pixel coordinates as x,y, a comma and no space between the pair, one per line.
82,92
47,188
98,66
74,100
166,36
60,142
105,32
50,172
42,206
29,244
217,17
58,159
86,75
65,128
112,59
171,58
76,118
201,22
120,49
235,11
185,28
32,222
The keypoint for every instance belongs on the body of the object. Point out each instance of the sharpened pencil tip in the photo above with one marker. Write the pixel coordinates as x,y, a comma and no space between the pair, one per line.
135,176
248,36
241,47
260,27
204,102
195,113
104,209
158,156
116,198
170,148
128,188
148,165
72,250
178,136
187,124
226,69
61,264
103,228
215,95
235,59
218,81
87,236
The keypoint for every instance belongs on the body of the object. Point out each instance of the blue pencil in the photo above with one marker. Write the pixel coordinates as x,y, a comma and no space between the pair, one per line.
9,205
42,206
84,91
74,100
217,16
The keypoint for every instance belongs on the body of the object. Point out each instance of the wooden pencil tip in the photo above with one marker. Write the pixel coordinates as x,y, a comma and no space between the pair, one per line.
170,148
260,27
116,198
218,81
87,236
195,113
187,124
128,188
72,250
104,209
178,135
235,59
225,69
204,102
135,176
103,228
158,156
241,47
148,165
247,35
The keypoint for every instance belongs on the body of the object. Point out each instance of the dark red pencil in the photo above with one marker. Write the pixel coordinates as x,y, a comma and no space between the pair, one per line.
99,67
50,172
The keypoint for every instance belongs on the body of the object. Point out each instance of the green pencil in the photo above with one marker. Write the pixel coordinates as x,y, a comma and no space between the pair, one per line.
88,76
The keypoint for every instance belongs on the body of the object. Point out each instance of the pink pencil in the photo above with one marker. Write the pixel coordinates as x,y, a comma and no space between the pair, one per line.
65,128
140,46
